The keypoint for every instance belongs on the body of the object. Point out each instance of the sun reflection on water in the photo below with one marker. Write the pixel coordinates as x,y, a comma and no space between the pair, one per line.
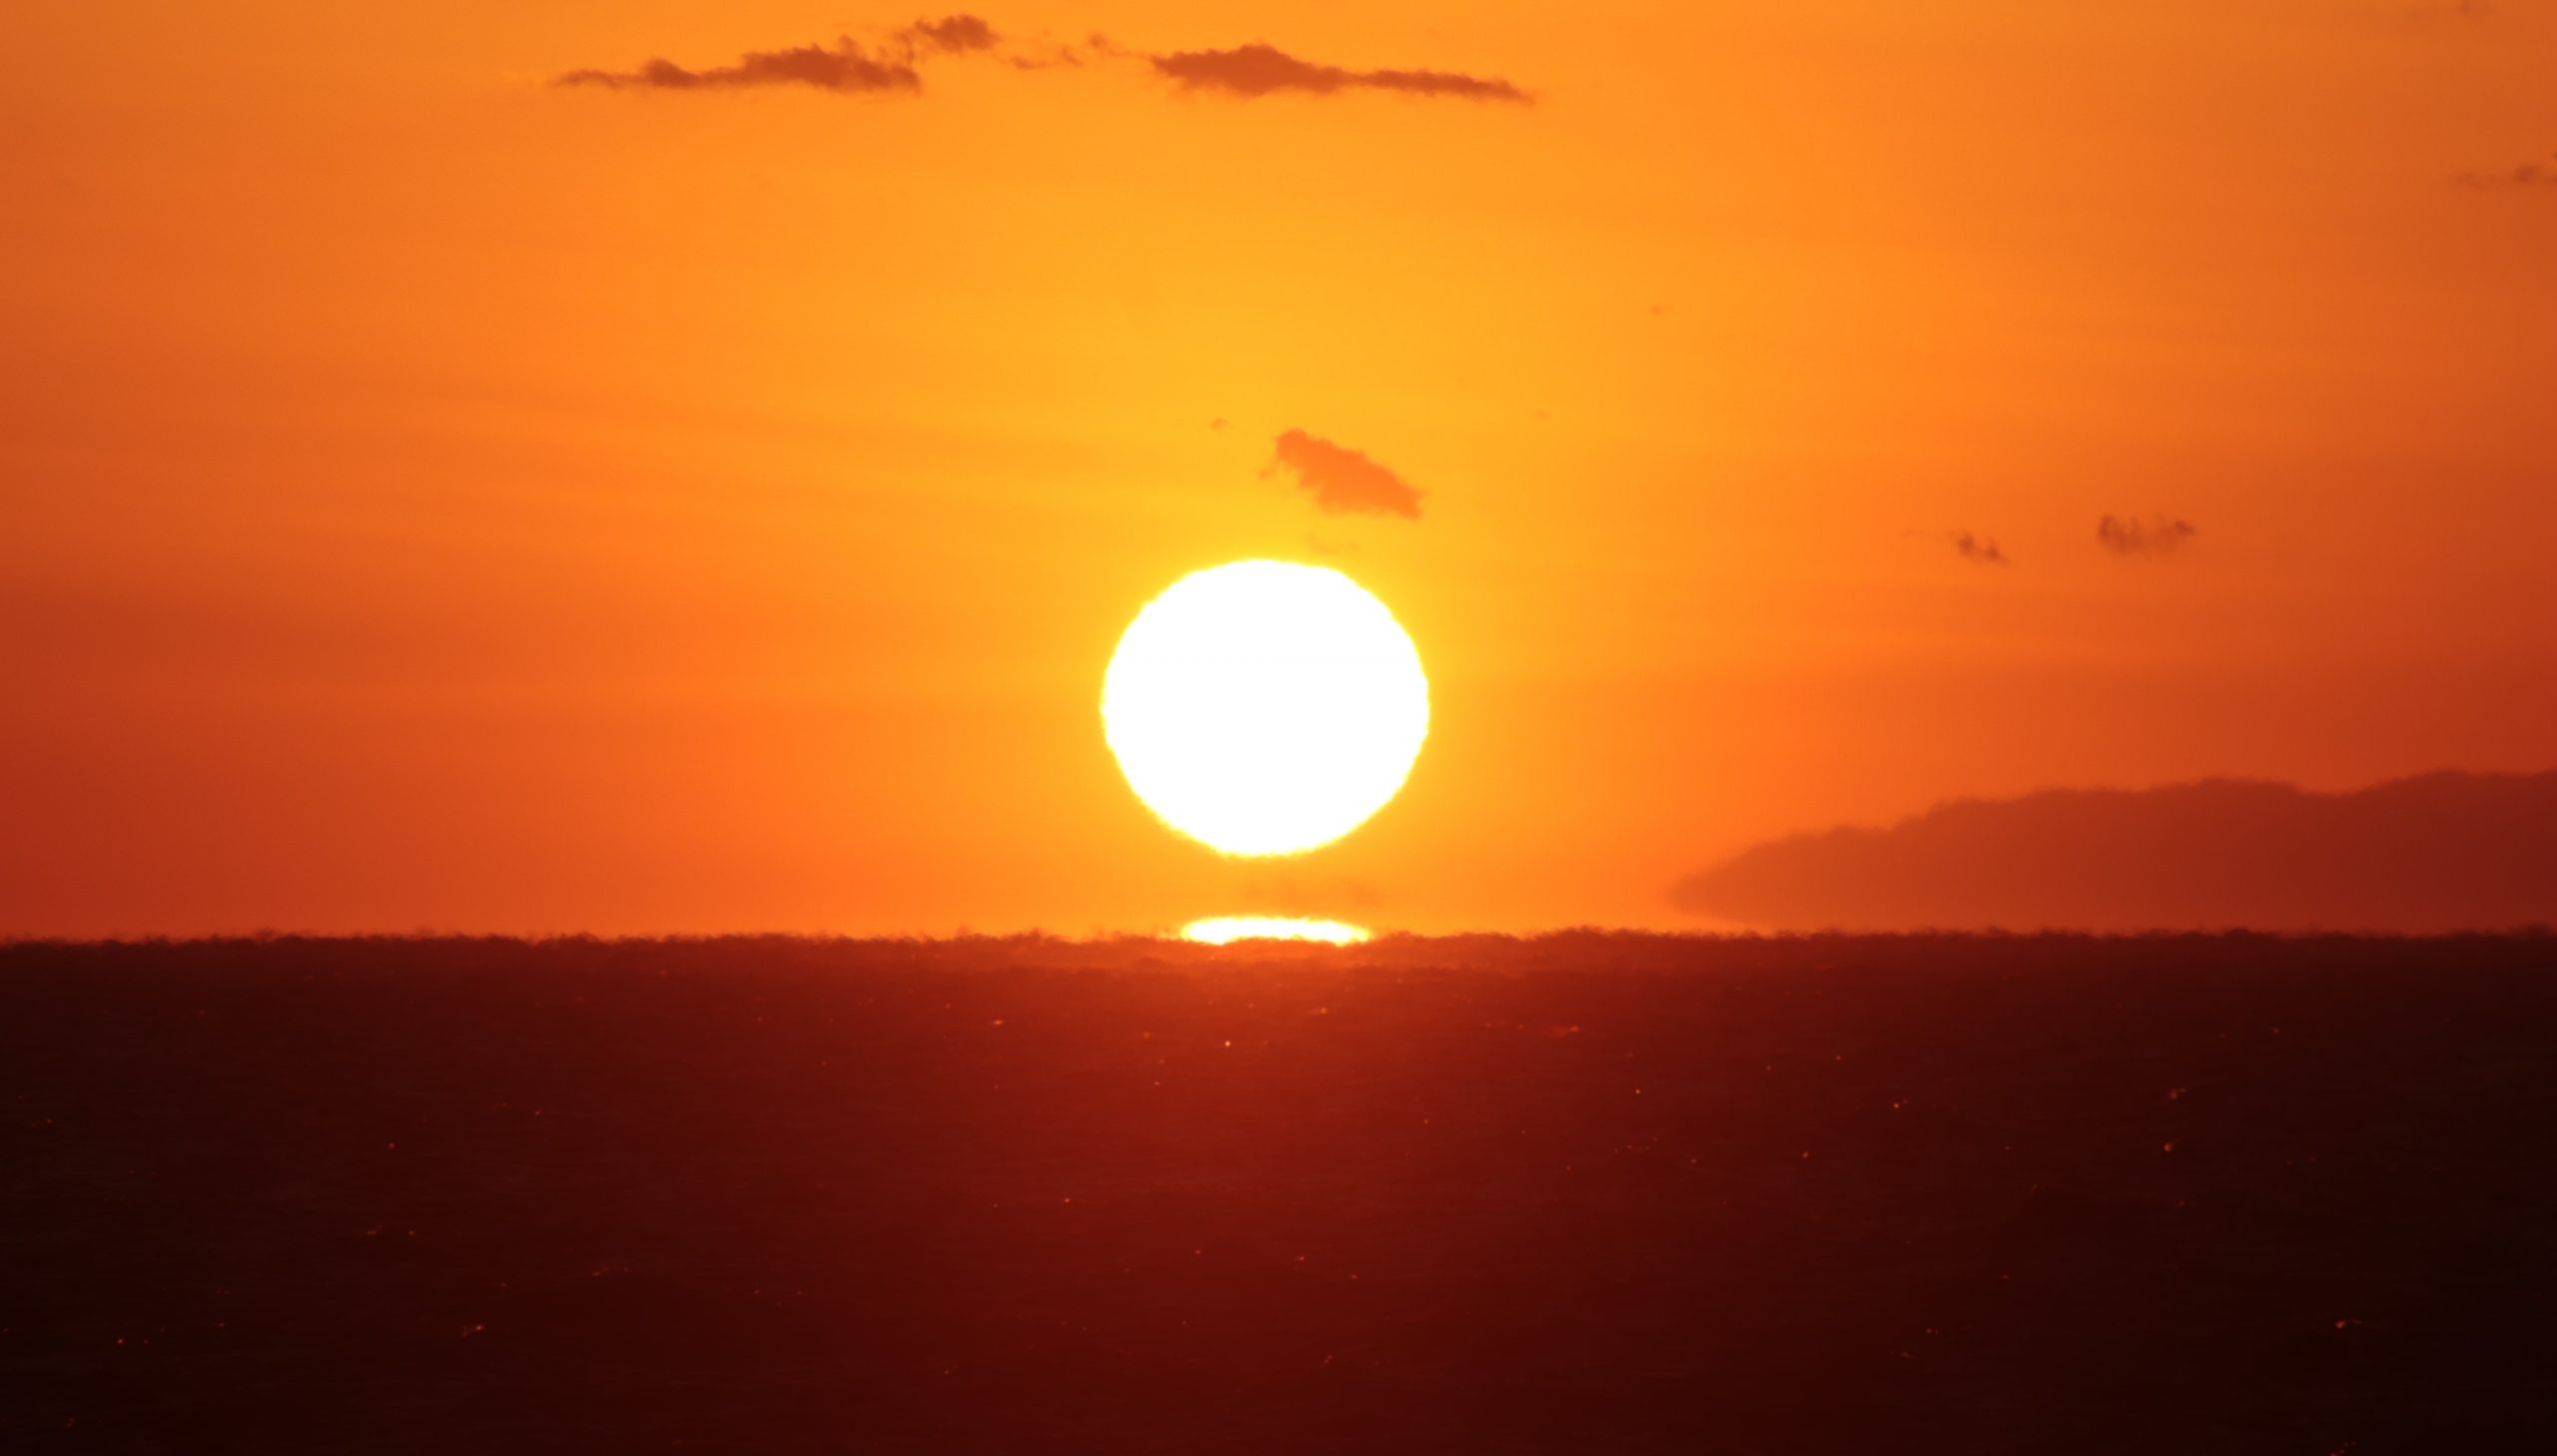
1224,930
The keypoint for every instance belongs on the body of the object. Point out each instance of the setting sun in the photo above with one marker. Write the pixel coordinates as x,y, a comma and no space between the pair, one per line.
1264,707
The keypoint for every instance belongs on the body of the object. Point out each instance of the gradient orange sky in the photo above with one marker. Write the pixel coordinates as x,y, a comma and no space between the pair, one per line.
435,496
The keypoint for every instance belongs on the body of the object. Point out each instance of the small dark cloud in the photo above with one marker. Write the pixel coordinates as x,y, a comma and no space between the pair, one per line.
2125,535
1343,481
957,35
1217,423
846,67
1976,548
2445,852
2529,174
1048,55
1260,69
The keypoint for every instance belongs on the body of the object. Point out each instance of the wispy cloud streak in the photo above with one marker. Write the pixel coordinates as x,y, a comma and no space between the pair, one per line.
1260,69
1981,549
2529,174
844,68
2125,535
891,64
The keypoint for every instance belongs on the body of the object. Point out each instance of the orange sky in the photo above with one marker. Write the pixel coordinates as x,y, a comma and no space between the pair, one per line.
432,496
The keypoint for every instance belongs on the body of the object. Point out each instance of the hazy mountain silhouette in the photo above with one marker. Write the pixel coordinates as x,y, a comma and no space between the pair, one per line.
2442,852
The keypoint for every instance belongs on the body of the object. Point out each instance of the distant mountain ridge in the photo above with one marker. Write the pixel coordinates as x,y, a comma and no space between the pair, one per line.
2435,853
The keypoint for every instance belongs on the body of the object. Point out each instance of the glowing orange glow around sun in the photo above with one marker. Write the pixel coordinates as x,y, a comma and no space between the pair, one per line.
1224,930
1263,707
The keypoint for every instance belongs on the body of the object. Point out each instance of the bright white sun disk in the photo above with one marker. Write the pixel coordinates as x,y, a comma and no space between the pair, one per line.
1263,707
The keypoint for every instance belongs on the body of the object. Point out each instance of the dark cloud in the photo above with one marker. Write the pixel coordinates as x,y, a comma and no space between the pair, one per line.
2528,174
2445,852
890,64
1258,69
1976,548
845,68
2125,535
1048,55
1344,482
959,35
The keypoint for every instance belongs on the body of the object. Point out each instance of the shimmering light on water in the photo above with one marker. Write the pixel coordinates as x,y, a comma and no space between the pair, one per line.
1224,930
